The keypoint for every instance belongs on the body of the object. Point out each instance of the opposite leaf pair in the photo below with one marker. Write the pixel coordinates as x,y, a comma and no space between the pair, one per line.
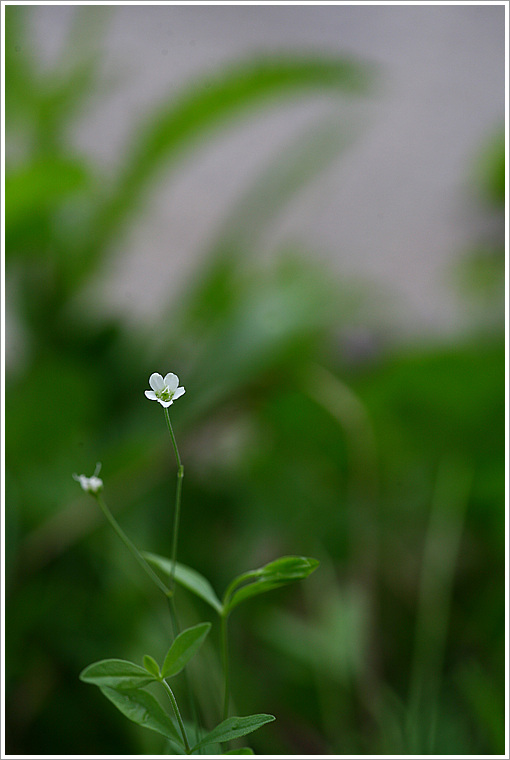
277,573
122,683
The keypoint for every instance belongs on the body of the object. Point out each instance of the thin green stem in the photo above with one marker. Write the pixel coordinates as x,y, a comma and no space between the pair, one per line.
224,634
175,535
130,545
177,512
177,715
172,436
226,672
189,691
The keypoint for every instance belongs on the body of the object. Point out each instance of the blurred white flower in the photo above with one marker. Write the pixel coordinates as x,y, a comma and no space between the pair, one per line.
93,484
165,390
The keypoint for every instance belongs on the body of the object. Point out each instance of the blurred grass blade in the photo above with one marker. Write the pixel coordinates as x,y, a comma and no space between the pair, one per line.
183,649
440,553
206,106
251,218
233,728
187,577
34,189
142,708
50,98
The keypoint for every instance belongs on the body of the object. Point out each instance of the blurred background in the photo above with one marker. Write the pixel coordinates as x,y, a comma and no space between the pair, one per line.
299,211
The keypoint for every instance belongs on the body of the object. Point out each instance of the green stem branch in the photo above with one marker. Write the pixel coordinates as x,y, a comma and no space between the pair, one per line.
173,559
177,715
226,672
130,545
238,582
175,632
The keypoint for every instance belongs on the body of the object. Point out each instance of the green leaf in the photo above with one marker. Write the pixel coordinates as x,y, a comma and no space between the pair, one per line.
241,751
273,575
183,649
142,708
116,674
290,568
233,728
187,577
151,665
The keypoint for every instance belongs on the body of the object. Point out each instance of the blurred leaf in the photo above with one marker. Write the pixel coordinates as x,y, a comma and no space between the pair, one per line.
233,728
142,708
213,287
37,187
45,101
277,573
480,276
187,577
183,649
333,639
486,702
276,319
20,91
491,171
116,674
74,77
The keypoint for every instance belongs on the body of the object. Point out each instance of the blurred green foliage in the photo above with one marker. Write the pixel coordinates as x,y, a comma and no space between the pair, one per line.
298,434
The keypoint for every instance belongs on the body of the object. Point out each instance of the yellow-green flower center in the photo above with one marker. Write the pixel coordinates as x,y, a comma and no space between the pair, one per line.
165,394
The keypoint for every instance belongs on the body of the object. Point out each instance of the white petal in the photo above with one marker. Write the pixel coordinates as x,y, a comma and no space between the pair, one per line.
156,382
151,395
165,403
95,484
171,381
82,480
178,393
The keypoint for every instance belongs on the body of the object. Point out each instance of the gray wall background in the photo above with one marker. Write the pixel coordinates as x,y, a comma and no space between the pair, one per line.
395,210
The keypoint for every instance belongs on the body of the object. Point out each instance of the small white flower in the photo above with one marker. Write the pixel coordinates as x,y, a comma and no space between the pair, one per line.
93,484
165,390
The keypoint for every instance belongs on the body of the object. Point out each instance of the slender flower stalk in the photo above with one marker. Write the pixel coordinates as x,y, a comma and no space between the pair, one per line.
178,491
130,545
166,390
94,486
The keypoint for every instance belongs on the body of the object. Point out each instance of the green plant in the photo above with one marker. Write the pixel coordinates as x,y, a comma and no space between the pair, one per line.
123,682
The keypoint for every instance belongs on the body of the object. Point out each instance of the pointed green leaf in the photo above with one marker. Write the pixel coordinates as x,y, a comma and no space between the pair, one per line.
253,589
183,649
151,665
116,674
142,708
186,577
233,728
273,575
290,568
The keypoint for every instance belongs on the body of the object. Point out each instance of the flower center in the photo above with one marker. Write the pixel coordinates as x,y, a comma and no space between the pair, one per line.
165,394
